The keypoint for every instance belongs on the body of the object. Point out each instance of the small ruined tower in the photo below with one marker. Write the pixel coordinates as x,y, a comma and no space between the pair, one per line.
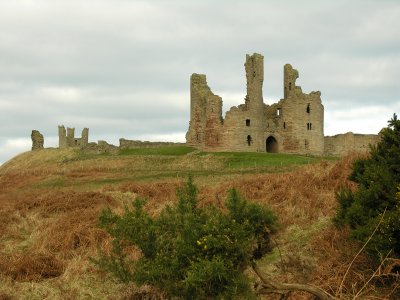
66,138
37,140
254,67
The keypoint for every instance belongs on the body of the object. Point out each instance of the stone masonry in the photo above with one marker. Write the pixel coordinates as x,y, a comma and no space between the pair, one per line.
295,124
66,138
37,140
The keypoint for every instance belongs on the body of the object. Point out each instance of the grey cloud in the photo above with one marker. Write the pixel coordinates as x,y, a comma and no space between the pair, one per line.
122,68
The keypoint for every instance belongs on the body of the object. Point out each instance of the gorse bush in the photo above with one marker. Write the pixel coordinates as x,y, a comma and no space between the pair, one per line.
187,251
378,179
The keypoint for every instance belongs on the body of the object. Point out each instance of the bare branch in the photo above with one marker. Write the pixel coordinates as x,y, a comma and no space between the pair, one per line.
270,286
358,253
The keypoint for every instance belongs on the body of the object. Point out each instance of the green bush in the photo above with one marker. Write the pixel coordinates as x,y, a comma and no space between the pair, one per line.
378,179
187,251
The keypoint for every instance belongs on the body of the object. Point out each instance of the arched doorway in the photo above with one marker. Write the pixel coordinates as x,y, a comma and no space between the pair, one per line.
271,145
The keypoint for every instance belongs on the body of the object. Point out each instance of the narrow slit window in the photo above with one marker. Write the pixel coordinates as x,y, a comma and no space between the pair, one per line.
308,108
290,86
310,126
284,125
248,140
247,122
279,112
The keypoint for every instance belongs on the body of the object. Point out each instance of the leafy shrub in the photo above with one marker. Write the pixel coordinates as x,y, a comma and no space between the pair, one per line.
378,179
190,252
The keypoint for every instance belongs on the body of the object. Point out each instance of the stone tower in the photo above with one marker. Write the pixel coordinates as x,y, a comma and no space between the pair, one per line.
254,67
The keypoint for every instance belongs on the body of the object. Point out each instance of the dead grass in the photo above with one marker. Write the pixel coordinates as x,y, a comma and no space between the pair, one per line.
31,267
49,230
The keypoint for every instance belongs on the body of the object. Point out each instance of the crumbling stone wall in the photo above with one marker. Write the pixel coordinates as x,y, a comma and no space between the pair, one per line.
293,125
66,138
132,144
341,144
205,115
37,140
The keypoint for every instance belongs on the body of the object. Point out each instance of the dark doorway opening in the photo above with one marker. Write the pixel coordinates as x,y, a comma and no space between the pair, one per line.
271,145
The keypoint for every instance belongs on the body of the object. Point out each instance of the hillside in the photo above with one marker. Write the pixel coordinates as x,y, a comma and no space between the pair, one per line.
50,201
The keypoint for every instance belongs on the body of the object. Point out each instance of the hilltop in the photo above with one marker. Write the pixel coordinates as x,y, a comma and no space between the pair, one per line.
50,201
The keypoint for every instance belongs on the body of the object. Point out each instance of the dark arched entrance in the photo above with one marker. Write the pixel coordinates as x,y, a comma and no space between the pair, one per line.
271,145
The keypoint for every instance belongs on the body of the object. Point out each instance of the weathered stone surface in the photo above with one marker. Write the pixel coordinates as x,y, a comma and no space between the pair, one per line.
295,124
37,140
132,144
66,138
349,142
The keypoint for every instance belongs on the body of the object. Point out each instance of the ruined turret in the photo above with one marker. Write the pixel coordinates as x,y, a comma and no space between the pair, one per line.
254,67
289,80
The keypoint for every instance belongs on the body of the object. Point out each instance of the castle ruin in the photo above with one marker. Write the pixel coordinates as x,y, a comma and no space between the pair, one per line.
66,138
295,124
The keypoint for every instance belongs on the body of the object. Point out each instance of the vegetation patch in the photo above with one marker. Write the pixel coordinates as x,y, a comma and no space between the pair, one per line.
166,150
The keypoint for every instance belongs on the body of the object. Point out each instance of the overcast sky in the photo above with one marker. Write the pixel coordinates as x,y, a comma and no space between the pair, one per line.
122,67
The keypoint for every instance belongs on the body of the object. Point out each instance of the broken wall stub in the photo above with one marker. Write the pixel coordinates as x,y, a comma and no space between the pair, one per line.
37,140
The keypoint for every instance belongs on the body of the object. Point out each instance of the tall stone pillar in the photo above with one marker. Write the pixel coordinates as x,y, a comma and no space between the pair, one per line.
85,137
254,67
62,137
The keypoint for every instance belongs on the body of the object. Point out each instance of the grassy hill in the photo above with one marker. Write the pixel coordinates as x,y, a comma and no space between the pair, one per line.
50,201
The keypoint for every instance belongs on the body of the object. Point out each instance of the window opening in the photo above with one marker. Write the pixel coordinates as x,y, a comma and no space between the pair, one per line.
279,112
284,125
308,108
247,122
248,140
290,86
